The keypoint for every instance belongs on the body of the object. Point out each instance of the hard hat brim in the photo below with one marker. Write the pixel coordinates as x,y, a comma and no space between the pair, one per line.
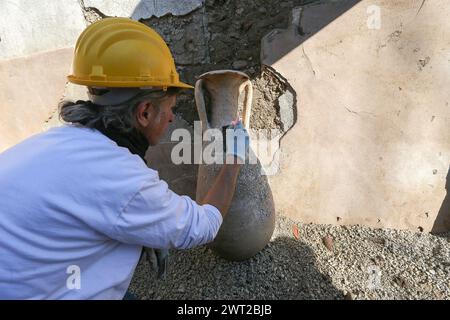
183,85
124,84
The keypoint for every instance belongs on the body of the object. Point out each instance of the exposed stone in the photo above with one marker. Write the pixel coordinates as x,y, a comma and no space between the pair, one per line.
286,103
239,64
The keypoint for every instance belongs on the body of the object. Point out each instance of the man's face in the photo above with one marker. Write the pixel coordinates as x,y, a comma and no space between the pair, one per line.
159,119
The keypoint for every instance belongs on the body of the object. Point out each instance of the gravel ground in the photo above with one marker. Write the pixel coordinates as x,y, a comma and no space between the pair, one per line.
363,263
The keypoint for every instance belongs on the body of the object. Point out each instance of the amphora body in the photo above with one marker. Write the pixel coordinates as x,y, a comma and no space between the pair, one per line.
250,221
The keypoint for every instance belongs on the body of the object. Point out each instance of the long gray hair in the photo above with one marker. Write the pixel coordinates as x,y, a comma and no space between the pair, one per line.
120,116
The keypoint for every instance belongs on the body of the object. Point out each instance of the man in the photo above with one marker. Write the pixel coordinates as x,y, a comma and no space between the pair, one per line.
78,202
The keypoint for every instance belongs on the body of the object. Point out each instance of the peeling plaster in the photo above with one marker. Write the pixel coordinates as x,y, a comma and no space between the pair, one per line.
144,9
91,14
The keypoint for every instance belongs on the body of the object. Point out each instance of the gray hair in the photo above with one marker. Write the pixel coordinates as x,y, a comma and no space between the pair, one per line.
120,116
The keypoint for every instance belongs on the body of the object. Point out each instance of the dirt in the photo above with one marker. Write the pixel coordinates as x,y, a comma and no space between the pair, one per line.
364,264
267,88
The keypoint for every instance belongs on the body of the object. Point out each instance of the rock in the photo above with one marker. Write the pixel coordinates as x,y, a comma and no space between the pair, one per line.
349,296
234,35
328,242
400,281
246,25
379,240
262,10
239,64
295,231
437,250
286,103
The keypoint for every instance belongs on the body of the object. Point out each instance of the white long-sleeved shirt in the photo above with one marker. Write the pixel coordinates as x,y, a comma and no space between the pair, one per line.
75,211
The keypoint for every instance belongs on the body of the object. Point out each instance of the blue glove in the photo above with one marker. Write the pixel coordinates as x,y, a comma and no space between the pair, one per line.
237,143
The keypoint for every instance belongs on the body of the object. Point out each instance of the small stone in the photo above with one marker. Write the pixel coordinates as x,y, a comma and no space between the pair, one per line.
400,281
239,64
437,250
246,25
328,242
295,231
286,103
379,240
235,35
349,296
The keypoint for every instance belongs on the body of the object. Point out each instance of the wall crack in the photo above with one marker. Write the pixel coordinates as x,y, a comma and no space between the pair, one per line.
421,6
309,60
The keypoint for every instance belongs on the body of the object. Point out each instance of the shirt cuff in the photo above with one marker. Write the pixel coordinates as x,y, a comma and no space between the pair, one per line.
216,211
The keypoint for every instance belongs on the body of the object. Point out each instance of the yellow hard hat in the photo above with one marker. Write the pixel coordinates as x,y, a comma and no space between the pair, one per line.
123,53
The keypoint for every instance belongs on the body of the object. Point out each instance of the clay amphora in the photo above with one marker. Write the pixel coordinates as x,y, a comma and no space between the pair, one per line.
250,221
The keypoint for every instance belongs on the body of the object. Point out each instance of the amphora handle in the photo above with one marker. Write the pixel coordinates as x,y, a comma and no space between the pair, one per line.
248,89
200,102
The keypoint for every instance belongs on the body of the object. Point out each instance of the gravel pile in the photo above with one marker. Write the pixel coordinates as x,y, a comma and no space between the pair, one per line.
311,262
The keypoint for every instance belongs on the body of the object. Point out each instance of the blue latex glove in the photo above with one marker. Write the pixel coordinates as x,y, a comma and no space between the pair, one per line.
237,142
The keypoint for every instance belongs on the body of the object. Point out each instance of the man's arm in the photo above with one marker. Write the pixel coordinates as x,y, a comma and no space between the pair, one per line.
178,221
222,191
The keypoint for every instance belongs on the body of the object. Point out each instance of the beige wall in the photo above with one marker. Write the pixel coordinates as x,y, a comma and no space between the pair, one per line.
35,57
31,88
372,141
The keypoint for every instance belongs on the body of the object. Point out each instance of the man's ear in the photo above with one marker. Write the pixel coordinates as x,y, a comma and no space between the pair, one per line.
144,113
